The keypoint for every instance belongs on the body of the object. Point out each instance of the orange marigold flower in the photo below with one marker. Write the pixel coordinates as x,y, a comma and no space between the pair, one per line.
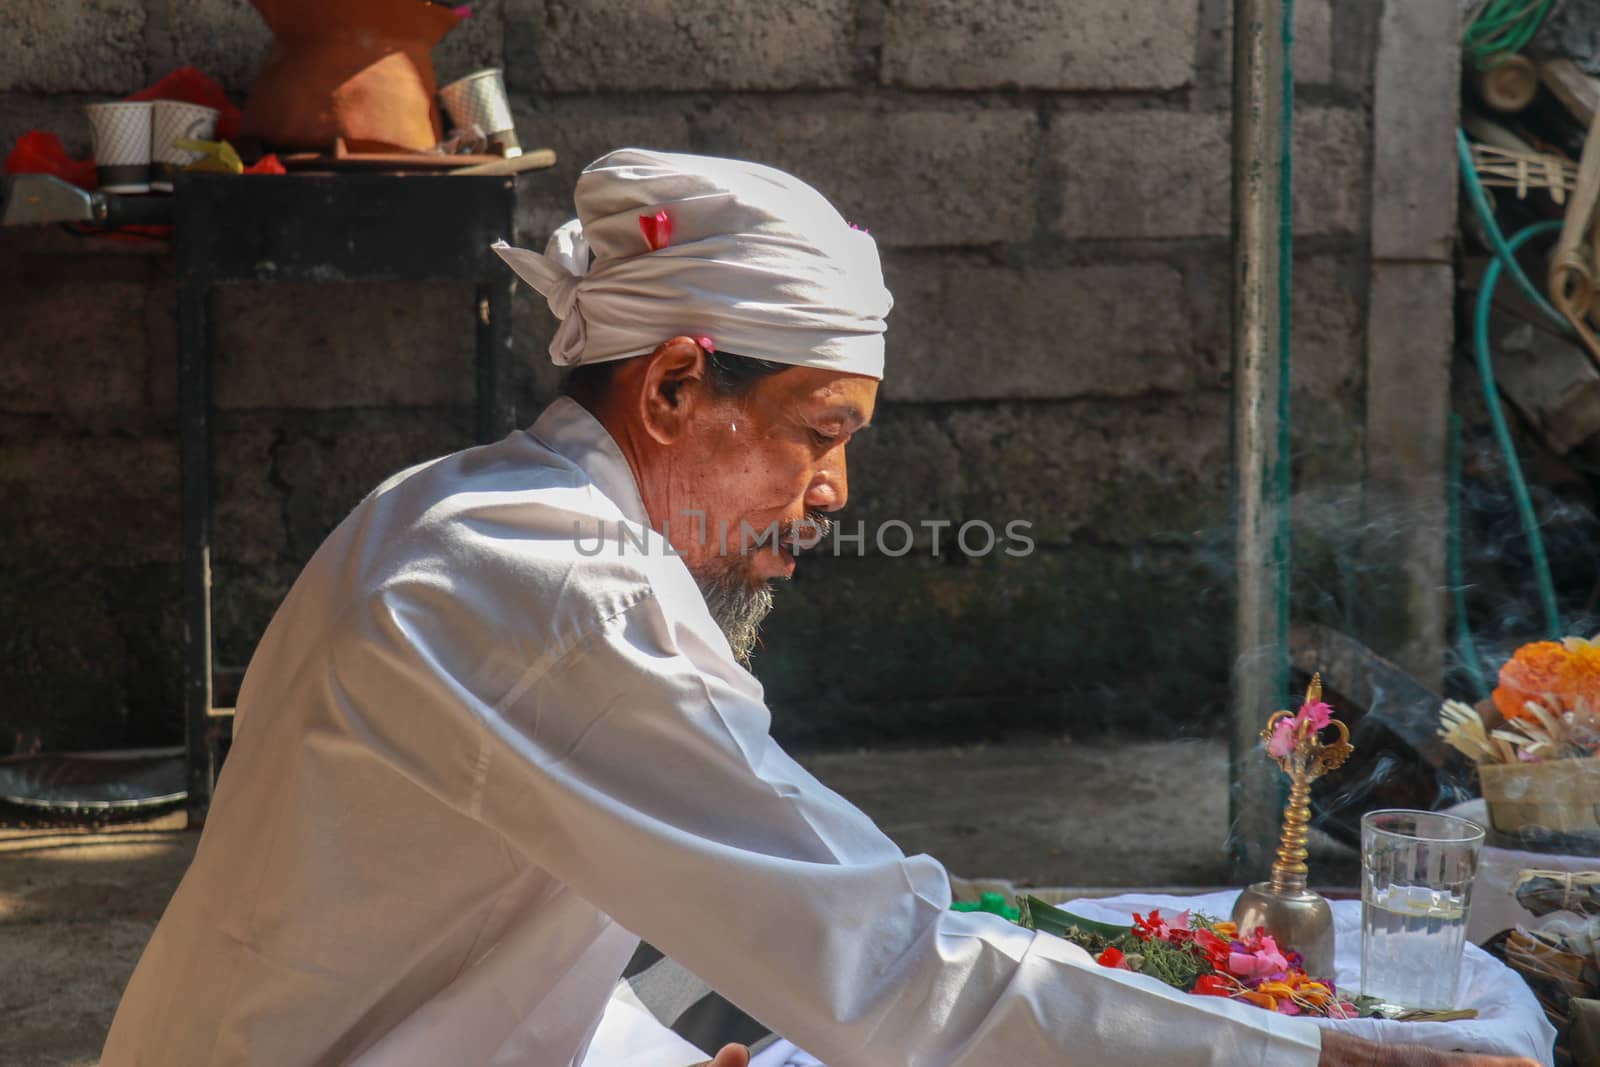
1578,678
1534,671
1260,1000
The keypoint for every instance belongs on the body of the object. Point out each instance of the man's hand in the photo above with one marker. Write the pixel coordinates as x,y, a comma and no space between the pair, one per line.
1342,1050
739,1056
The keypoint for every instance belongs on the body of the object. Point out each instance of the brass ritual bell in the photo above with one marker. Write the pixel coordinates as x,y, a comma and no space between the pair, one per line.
1298,918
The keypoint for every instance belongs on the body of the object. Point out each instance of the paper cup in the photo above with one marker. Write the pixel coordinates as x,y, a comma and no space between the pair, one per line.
121,135
480,100
174,120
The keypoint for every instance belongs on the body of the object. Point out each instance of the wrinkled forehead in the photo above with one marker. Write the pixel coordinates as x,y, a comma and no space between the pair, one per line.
812,393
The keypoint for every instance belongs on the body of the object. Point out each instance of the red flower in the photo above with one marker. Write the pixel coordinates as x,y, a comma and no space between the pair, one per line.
1152,928
1216,950
1213,985
1112,957
657,230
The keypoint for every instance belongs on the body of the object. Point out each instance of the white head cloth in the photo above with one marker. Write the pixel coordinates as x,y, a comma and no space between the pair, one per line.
757,262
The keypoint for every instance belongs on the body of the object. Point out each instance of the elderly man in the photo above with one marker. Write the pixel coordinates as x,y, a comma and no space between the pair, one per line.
501,727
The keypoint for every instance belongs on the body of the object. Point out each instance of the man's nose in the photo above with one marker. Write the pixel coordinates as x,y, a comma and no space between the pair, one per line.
830,486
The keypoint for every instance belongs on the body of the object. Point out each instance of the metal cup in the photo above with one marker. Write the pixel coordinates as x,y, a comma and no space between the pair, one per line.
172,121
121,135
480,100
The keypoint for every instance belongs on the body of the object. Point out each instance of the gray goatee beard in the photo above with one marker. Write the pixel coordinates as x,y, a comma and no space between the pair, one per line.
738,608
737,604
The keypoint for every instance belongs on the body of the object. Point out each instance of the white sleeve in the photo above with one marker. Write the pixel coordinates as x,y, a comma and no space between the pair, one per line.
638,768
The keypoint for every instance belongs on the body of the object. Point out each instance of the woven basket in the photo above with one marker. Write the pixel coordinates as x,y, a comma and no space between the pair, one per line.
1553,806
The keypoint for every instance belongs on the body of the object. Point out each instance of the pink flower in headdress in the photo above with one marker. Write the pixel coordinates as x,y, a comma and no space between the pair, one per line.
657,230
705,343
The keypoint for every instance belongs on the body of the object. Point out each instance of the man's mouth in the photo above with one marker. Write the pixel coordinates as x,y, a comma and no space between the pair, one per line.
807,534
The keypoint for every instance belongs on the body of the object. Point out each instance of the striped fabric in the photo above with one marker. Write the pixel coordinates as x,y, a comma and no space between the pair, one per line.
691,1009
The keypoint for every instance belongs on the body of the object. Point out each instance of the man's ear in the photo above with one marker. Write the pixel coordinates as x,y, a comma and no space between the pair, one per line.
674,384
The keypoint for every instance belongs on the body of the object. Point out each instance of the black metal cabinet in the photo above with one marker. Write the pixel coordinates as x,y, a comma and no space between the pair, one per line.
325,229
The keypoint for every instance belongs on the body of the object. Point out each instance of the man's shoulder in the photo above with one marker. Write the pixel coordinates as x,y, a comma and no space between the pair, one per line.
518,521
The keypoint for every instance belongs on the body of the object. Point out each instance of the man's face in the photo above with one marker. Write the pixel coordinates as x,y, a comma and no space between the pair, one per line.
738,482
749,481
764,468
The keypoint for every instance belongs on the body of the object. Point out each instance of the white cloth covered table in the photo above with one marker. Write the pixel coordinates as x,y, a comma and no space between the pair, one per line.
1510,1021
1494,908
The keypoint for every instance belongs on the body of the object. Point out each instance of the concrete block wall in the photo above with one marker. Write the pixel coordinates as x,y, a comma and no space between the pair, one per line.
1049,183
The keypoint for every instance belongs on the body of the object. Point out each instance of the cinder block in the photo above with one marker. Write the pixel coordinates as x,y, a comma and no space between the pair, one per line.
907,466
911,177
1161,174
331,346
965,330
248,501
1410,332
74,348
476,42
539,377
1416,93
72,46
109,499
226,39
327,467
1313,42
64,665
1149,470
1328,318
1067,640
244,597
1328,368
574,46
955,44
1329,330
1330,173
60,115
1154,469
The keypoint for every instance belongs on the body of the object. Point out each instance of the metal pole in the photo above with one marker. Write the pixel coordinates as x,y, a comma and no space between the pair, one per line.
1260,668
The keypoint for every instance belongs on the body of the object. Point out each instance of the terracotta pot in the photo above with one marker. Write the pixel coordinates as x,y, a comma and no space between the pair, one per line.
361,70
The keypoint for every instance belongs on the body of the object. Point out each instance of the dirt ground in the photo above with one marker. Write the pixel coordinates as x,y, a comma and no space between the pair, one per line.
77,905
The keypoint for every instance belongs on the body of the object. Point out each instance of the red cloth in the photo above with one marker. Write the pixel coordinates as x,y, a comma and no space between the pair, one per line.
267,164
193,87
40,152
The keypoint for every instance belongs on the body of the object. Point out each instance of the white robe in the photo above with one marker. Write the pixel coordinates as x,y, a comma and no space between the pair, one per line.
475,757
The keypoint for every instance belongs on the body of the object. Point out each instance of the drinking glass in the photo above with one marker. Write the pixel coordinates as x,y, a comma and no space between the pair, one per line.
1416,883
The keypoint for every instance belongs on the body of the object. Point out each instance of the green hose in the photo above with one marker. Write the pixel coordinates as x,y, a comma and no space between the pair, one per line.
1466,648
1502,432
1480,202
1281,479
1503,28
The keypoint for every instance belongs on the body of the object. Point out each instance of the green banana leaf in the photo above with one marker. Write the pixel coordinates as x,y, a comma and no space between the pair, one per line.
1037,915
